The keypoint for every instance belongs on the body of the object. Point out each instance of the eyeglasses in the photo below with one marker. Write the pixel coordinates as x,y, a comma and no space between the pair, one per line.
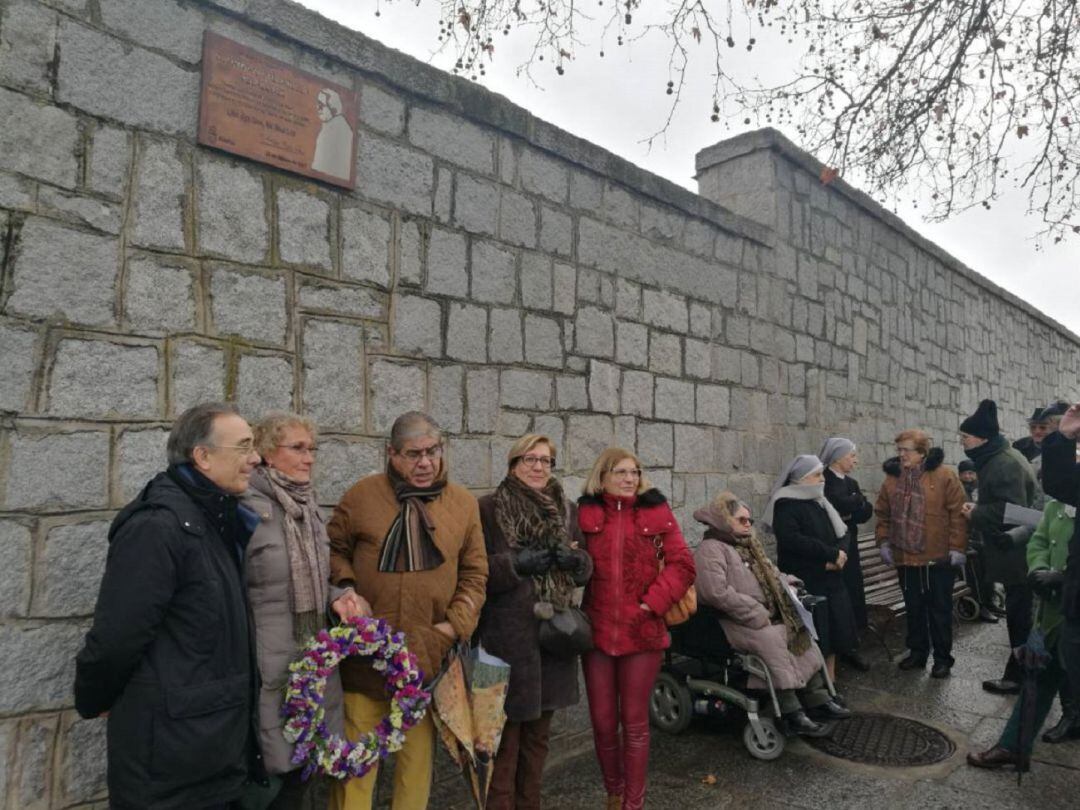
547,462
300,448
906,450
623,474
745,521
245,448
414,456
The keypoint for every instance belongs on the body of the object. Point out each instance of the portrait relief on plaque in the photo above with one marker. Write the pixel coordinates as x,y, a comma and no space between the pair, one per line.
262,108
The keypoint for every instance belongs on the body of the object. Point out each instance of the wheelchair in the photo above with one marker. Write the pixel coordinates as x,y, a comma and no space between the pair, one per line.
704,676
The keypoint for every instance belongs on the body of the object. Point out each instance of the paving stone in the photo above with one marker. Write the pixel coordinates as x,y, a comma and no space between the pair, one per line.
23,150
674,399
248,304
342,463
447,264
231,212
572,393
446,393
527,390
365,250
159,295
417,325
333,367
354,302
603,387
75,388
140,455
394,388
160,195
69,574
504,336
264,383
395,174
304,230
494,275
18,347
637,393
713,405
380,110
15,573
83,769
482,392
65,273
594,331
47,651
466,333
198,375
453,139
543,342
109,78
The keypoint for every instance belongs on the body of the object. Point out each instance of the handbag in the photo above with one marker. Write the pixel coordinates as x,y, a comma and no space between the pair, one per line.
686,606
567,633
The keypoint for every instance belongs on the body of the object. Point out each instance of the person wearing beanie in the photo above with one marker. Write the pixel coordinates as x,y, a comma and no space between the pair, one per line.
975,567
1005,477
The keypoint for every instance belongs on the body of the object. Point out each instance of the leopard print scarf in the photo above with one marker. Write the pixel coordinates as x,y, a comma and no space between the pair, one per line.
536,519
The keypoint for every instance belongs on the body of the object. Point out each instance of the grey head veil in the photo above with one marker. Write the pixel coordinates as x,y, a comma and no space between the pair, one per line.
787,486
835,449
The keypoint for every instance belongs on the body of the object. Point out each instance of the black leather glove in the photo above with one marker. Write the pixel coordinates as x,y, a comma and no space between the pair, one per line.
566,559
1044,581
529,562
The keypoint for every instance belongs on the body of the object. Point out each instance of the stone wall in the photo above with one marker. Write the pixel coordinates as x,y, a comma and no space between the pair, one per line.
489,267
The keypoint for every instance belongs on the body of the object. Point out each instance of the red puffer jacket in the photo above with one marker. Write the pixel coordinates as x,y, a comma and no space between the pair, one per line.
619,534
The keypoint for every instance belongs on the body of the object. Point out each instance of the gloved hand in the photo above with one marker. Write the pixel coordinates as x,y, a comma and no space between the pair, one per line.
529,562
1044,581
566,559
886,555
957,559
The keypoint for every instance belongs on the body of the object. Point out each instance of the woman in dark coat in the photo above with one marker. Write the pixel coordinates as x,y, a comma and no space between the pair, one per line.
810,540
843,492
534,565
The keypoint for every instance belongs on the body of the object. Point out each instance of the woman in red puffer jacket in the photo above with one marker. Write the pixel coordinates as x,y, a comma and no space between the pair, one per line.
624,520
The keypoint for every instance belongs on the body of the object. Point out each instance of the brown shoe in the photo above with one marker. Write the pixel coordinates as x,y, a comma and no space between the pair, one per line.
996,757
613,803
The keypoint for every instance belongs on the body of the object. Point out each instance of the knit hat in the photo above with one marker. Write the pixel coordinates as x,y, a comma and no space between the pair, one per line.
967,465
984,422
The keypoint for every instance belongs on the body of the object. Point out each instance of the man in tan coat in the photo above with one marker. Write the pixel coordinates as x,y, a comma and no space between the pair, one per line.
409,545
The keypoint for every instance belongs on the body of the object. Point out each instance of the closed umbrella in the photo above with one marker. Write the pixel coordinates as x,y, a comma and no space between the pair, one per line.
1032,656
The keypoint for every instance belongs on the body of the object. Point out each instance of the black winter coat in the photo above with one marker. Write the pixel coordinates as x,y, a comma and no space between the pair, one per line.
1061,481
847,498
169,657
508,629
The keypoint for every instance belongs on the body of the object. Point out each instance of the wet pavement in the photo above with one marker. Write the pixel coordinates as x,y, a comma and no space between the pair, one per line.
805,778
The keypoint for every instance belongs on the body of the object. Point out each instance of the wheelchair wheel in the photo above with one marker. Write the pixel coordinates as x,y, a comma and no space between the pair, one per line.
967,609
670,705
773,745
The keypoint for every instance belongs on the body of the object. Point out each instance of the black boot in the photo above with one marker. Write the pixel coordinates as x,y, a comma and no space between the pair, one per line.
1067,728
799,723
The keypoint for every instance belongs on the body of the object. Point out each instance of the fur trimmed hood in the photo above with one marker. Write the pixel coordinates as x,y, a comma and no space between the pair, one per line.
934,459
650,497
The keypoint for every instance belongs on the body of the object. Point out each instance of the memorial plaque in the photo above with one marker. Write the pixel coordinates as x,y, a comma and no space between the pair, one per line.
261,108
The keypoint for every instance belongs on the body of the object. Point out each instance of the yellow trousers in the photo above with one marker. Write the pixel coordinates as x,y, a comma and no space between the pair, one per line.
412,766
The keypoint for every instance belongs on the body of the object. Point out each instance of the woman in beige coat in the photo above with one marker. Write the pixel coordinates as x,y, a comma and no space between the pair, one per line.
286,567
735,577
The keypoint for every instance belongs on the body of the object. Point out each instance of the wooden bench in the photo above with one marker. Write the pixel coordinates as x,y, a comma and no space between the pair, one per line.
884,599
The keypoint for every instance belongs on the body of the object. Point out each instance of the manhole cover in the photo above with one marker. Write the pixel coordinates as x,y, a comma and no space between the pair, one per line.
879,739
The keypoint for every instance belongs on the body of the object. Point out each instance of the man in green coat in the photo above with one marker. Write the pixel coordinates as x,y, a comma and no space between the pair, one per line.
1005,477
1047,554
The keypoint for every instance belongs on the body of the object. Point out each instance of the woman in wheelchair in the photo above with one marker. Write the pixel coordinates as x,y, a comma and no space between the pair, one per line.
736,577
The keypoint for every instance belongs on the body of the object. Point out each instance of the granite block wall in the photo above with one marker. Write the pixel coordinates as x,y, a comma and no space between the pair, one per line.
489,267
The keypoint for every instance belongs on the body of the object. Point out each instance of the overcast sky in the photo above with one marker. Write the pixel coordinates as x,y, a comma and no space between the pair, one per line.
618,101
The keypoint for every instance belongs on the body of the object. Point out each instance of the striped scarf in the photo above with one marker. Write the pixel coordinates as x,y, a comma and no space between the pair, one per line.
410,543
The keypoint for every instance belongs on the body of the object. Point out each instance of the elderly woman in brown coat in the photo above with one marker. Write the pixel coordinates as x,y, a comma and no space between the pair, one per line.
287,565
735,577
534,565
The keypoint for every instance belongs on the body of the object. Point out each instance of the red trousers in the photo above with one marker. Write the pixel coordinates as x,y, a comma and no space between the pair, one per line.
519,765
619,688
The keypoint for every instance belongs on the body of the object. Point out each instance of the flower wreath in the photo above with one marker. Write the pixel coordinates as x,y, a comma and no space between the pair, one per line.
305,726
